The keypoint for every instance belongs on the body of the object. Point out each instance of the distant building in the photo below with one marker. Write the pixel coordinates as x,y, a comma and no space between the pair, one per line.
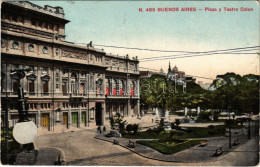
175,74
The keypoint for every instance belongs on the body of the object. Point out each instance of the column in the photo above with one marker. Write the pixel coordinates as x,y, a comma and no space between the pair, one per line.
80,119
69,116
69,86
38,118
125,109
138,87
129,110
103,113
103,84
38,82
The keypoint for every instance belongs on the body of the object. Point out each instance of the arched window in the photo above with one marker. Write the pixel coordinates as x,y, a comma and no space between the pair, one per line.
45,87
108,85
114,86
132,88
99,86
73,81
121,87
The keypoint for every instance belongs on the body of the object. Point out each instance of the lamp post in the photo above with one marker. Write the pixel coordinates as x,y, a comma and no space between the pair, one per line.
23,113
25,130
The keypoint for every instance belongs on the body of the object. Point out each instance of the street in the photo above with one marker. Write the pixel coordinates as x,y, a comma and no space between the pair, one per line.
80,148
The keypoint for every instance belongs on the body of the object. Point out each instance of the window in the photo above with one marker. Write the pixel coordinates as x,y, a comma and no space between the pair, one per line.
91,82
21,19
45,86
44,25
64,88
31,86
55,28
82,85
34,23
14,18
15,86
39,24
51,26
73,83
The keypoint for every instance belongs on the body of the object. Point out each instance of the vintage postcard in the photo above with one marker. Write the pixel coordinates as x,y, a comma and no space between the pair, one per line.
130,83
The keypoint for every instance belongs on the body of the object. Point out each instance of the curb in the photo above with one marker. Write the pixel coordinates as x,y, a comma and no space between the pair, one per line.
142,155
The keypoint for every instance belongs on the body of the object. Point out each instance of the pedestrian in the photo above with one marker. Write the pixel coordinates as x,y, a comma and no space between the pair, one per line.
104,129
98,129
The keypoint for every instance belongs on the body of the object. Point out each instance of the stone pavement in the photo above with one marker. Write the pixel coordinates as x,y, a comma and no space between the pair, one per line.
191,155
80,148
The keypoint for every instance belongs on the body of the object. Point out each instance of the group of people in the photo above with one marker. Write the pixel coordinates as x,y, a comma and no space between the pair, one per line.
99,130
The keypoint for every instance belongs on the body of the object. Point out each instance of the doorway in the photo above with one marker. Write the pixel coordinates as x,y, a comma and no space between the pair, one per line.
45,120
65,119
98,114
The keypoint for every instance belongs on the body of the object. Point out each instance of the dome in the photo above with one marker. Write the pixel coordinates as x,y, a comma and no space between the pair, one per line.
175,69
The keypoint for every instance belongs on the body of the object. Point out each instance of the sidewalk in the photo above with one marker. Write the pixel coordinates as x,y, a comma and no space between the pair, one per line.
191,155
63,129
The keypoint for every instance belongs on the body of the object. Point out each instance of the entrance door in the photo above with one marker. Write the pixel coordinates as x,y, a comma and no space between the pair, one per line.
65,119
45,120
83,117
98,114
74,116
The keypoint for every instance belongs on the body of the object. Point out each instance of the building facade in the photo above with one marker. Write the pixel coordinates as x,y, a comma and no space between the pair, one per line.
69,84
178,76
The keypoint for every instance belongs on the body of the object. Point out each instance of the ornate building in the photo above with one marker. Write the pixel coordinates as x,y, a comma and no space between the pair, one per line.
70,84
179,76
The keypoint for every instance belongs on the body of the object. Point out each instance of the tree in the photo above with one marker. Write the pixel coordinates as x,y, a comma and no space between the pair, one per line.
177,122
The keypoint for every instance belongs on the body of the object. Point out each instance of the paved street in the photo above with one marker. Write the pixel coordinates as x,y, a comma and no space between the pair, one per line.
80,148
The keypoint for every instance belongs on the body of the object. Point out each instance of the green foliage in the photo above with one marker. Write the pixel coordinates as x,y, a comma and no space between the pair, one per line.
211,127
167,149
177,122
237,93
172,125
132,128
13,145
136,128
122,127
129,128
112,122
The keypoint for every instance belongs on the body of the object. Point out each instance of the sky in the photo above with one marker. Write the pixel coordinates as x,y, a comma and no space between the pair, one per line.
120,23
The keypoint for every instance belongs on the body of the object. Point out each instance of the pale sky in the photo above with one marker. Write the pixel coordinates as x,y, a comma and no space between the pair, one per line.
121,24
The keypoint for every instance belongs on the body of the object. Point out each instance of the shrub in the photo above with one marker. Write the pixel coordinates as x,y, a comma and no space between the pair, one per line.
136,128
172,125
129,128
211,133
176,139
112,122
211,127
122,127
177,122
